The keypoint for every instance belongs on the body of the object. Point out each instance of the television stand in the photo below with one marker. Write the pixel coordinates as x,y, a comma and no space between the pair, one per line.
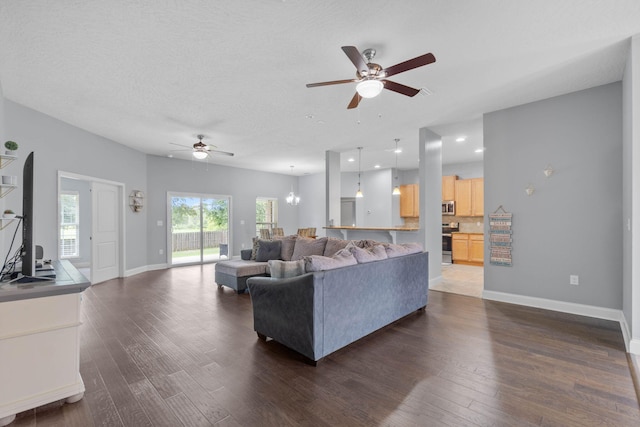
21,280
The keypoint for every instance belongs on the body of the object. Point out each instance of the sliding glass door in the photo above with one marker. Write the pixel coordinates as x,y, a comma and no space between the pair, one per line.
199,228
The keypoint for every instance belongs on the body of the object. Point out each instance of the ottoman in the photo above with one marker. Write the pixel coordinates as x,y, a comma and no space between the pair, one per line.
234,273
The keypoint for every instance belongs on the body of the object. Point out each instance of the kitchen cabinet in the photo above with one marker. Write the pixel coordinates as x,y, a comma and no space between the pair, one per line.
467,248
469,197
449,187
409,201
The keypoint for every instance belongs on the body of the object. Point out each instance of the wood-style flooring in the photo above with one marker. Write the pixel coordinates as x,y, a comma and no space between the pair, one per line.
167,348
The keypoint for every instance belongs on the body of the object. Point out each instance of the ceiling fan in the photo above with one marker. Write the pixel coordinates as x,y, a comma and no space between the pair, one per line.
200,150
371,77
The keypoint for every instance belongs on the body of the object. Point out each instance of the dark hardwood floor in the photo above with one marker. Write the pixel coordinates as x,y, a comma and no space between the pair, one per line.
167,348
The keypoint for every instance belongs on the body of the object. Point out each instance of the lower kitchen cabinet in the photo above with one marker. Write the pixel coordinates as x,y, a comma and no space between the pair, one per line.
467,248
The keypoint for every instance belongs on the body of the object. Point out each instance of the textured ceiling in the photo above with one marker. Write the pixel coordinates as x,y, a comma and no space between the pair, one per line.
149,73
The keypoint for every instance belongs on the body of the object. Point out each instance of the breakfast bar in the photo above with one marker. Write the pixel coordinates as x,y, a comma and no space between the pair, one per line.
380,234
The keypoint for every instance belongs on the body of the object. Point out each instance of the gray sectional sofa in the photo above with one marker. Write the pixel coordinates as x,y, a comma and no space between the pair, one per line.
320,312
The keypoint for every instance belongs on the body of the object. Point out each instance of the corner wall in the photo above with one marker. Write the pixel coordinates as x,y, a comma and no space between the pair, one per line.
571,224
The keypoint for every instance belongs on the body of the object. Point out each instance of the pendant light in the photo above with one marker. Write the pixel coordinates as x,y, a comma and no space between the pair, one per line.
359,192
396,189
292,199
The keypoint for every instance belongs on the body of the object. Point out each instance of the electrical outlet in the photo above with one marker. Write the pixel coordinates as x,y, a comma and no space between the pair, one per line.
161,251
574,280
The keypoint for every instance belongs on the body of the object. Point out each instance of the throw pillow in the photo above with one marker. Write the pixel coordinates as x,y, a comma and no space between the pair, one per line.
394,250
288,244
307,247
267,250
375,253
284,269
366,243
319,263
334,245
254,248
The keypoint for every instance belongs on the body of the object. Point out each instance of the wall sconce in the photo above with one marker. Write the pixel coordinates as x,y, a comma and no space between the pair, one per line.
136,200
548,171
529,190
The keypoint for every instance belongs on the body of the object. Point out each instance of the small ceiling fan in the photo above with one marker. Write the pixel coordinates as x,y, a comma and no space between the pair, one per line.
372,78
200,150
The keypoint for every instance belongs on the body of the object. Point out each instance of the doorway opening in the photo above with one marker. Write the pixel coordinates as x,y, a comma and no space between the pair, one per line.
91,225
198,228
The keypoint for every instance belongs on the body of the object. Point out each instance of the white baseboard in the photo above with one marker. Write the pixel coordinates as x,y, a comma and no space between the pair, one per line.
143,269
631,345
435,281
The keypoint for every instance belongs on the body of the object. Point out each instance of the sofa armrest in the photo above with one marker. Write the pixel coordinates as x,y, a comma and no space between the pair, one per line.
283,309
245,254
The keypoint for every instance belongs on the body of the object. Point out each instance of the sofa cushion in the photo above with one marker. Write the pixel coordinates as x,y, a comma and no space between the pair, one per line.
334,245
366,243
284,269
342,258
267,250
241,268
374,253
307,247
288,244
394,250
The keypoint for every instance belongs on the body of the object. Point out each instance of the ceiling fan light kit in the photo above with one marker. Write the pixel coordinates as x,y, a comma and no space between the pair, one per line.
200,150
369,88
200,155
372,78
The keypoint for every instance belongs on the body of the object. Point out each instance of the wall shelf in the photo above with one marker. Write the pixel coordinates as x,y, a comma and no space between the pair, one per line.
6,189
6,159
4,222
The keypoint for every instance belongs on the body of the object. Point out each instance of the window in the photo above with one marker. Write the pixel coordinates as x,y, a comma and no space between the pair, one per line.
266,213
69,224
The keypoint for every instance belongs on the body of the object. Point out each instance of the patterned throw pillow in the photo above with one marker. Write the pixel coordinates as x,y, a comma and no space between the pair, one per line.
284,269
374,253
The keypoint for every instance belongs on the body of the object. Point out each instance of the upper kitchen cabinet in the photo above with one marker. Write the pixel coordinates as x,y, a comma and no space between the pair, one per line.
449,187
469,197
409,201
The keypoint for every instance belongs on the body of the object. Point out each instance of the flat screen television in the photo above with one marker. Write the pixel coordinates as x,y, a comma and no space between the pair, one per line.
28,223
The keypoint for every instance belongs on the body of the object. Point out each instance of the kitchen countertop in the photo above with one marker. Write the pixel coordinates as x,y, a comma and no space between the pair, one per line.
345,227
68,281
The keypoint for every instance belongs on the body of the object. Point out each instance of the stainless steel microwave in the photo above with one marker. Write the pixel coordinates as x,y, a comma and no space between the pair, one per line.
448,207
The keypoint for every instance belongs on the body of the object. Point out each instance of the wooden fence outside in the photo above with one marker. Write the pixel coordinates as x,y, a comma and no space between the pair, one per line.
190,240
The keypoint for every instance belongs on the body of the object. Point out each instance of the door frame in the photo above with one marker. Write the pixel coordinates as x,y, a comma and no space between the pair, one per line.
121,216
169,223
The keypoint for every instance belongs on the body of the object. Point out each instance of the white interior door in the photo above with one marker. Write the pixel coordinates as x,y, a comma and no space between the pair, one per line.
105,243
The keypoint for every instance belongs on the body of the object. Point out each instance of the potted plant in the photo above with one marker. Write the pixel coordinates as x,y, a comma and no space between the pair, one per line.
8,214
11,146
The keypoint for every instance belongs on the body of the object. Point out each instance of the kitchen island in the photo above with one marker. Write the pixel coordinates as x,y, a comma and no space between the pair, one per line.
380,234
40,341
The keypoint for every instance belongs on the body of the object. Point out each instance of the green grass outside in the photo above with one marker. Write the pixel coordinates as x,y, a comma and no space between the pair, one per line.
195,252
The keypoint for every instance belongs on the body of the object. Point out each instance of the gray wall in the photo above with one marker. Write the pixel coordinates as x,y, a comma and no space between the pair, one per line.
312,207
84,195
464,170
375,208
571,225
61,146
631,195
243,185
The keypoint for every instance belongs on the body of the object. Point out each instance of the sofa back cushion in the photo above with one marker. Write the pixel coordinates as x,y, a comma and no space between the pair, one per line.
370,254
306,247
334,245
284,269
288,244
394,250
268,250
342,258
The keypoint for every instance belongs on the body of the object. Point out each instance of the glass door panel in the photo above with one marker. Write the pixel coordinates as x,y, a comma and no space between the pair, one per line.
199,228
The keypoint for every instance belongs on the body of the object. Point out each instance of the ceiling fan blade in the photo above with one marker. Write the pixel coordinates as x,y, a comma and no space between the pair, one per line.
354,101
224,153
356,57
180,145
399,88
334,82
409,65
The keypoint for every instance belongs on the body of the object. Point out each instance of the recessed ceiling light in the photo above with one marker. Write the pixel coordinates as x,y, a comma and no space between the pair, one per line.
461,139
398,150
377,166
480,150
309,116
351,159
